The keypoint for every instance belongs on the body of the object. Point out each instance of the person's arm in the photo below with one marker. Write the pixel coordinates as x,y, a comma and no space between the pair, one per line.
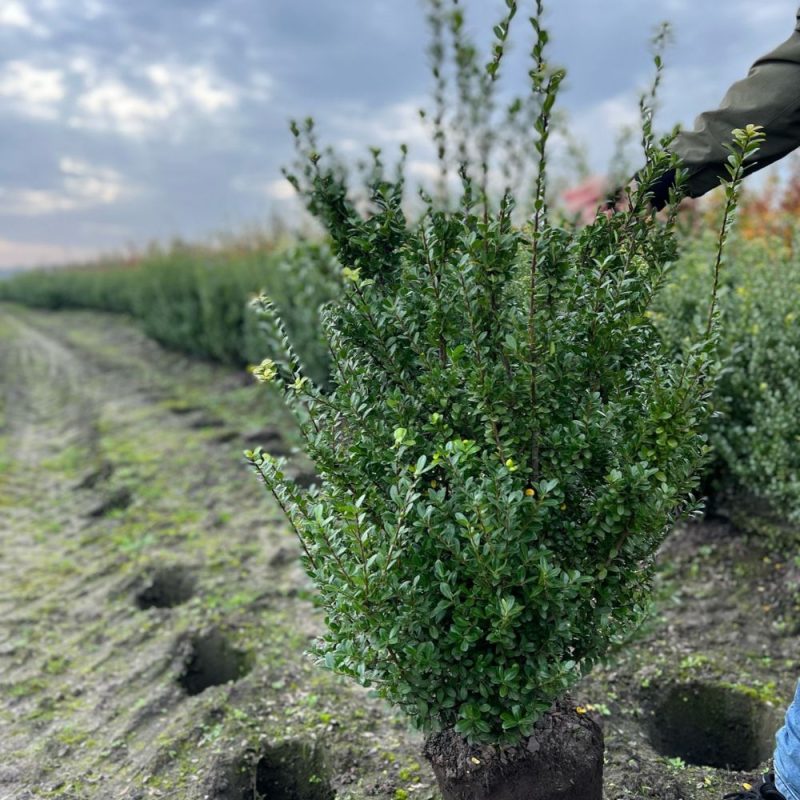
768,96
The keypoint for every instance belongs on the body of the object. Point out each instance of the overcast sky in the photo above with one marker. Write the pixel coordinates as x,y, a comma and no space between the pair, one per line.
125,121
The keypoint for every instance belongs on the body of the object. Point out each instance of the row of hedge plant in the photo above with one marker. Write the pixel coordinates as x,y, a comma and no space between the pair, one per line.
195,298
755,431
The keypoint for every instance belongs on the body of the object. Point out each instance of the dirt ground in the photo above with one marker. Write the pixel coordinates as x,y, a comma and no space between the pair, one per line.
153,616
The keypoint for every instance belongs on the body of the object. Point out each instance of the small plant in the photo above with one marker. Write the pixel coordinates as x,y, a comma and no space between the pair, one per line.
507,439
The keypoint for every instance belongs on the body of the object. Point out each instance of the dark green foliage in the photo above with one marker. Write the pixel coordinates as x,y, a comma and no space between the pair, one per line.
756,430
507,440
195,299
475,550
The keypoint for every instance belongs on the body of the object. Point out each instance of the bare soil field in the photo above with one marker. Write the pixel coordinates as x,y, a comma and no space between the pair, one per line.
154,616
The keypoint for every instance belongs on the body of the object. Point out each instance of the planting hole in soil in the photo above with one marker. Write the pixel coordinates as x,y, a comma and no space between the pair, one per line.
207,421
118,500
714,726
293,771
304,477
181,410
212,661
226,436
283,556
97,476
169,586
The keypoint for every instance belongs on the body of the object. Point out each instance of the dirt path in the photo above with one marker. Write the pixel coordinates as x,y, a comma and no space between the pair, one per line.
123,486
153,617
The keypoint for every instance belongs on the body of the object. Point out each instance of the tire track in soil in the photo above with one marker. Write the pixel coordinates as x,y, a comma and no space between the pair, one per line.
53,403
89,702
50,405
51,398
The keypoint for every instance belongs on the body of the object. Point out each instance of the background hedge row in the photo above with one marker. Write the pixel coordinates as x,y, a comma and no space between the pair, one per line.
195,298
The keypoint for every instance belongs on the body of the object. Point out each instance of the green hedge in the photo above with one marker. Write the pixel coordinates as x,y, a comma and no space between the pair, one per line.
756,428
195,299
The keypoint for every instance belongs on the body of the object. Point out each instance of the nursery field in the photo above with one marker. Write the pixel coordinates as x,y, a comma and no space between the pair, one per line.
154,615
467,488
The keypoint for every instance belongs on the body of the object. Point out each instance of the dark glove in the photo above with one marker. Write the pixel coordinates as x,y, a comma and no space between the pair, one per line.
659,187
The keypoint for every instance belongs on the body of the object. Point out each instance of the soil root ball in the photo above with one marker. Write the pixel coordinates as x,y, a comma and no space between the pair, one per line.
561,760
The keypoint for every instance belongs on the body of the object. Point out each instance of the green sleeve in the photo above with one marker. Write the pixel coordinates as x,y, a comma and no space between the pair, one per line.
768,96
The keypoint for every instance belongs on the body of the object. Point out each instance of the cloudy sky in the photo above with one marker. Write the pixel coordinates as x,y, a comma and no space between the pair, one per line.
125,121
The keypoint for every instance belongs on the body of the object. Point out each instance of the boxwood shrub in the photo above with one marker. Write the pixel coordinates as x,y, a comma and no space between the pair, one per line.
508,438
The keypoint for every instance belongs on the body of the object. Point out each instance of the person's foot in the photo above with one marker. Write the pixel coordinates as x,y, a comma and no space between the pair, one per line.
765,791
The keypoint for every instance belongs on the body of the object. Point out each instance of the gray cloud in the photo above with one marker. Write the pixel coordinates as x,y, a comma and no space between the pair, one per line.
133,121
